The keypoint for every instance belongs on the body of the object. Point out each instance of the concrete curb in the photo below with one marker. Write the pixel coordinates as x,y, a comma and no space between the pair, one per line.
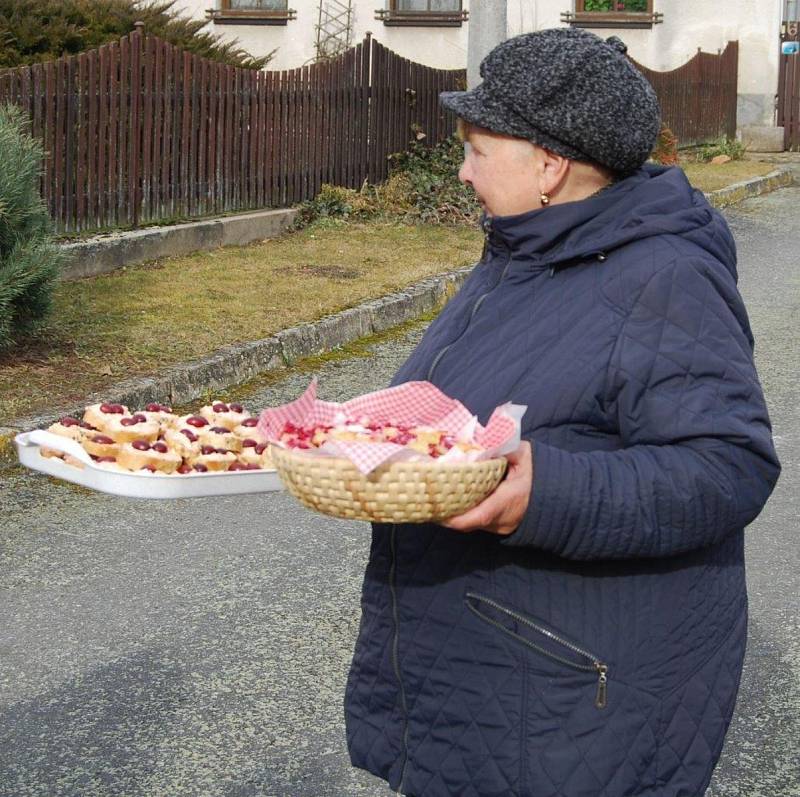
239,363
737,192
103,253
233,365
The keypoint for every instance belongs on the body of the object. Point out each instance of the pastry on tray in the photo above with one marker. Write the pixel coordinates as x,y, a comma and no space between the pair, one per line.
218,413
218,437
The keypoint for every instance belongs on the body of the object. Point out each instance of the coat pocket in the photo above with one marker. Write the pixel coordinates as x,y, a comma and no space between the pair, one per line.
544,641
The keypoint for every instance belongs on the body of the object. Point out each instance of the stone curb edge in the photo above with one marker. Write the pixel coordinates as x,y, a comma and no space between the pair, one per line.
731,194
232,365
239,363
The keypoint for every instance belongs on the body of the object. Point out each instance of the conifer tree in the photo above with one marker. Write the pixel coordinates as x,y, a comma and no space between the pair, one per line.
32,31
29,259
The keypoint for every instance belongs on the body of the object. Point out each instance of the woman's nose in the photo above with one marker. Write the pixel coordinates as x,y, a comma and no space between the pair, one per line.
464,173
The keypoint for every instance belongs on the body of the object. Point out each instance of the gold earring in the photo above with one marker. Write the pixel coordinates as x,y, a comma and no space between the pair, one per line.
544,199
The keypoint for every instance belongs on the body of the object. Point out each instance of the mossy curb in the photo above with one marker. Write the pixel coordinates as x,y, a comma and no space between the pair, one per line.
732,194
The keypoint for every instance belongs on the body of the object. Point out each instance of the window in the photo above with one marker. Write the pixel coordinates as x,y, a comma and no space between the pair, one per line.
612,14
423,13
252,12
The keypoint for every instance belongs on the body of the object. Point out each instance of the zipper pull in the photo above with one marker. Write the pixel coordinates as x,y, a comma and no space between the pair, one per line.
602,685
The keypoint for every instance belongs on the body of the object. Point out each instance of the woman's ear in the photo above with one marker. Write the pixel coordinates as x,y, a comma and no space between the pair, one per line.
554,169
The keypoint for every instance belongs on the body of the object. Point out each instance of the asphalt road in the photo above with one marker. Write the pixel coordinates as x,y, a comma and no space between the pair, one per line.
163,649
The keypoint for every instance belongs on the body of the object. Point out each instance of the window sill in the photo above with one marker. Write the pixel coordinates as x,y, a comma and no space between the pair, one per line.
229,17
597,19
410,19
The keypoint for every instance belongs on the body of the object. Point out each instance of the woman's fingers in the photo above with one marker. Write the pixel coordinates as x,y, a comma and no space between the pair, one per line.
503,510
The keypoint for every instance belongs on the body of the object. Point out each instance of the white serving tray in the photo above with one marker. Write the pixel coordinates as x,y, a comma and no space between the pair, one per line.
135,485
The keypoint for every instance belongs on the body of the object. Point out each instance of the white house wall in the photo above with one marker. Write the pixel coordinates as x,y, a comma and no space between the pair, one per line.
686,26
443,48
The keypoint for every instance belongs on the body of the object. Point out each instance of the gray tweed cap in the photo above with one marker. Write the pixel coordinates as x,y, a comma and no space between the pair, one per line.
569,91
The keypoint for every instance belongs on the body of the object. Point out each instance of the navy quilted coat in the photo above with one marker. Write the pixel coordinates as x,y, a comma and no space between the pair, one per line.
597,650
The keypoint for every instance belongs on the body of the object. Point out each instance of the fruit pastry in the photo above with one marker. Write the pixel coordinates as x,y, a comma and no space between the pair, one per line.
248,430
160,413
228,415
422,439
194,421
220,437
98,415
211,459
182,441
142,455
254,453
99,444
127,428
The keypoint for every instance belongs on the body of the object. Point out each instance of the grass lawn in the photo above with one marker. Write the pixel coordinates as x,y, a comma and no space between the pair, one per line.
709,177
137,321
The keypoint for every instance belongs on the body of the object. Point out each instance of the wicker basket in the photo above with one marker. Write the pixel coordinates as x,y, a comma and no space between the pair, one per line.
397,492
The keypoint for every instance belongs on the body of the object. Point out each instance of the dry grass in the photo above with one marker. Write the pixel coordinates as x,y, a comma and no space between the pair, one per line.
709,177
137,321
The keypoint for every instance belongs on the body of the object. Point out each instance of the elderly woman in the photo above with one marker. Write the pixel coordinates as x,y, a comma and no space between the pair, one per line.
586,637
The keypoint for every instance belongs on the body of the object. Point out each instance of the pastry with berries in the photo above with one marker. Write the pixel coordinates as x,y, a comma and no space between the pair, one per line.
160,413
211,459
422,439
127,428
182,441
255,453
194,421
99,444
220,437
98,415
142,455
248,430
219,413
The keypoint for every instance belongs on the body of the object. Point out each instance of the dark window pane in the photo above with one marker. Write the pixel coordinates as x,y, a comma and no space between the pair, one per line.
259,5
605,6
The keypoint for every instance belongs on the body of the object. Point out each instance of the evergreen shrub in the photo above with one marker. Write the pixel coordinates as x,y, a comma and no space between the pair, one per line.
29,260
32,31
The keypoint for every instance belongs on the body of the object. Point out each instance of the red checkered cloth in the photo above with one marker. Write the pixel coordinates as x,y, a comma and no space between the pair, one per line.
409,404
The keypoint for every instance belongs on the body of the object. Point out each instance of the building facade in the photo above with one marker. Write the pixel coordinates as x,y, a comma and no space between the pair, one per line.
661,34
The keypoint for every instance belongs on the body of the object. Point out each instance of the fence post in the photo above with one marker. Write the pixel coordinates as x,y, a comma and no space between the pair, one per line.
134,139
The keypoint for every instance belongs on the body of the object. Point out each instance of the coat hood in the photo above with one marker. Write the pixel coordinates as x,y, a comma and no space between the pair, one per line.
655,200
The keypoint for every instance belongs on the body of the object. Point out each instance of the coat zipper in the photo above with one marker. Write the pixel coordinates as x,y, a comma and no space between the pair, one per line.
395,654
601,697
487,226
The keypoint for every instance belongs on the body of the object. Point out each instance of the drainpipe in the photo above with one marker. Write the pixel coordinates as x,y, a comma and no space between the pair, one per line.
487,28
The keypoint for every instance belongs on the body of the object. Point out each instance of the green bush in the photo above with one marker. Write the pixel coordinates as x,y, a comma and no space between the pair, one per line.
29,261
423,187
722,146
32,31
436,194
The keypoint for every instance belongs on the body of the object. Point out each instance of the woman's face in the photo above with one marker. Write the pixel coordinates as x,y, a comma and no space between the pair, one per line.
502,170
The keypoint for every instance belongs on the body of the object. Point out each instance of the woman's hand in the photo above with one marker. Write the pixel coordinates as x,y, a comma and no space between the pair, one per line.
503,510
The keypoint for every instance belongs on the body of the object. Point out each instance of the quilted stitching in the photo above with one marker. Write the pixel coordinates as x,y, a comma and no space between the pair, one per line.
652,450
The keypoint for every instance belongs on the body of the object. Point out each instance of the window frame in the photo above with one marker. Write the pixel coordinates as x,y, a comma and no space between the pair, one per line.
581,18
393,16
225,15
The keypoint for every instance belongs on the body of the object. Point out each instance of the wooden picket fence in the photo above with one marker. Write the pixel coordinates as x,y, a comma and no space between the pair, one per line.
138,131
698,99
